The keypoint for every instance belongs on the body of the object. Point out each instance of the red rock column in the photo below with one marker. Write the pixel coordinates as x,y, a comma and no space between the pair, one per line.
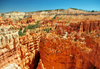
88,26
81,29
95,24
91,25
99,22
84,26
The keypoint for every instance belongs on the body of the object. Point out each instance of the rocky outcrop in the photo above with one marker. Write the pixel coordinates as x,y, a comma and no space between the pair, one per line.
80,27
18,50
40,65
70,42
30,20
14,15
9,42
8,39
6,22
12,66
29,53
73,11
59,53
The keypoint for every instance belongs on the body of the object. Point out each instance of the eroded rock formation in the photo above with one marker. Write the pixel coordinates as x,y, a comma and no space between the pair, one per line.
29,53
9,42
59,53
12,66
70,42
20,50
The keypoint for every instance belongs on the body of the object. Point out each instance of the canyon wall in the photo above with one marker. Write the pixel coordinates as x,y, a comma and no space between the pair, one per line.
29,51
60,53
71,45
21,51
9,42
14,15
87,26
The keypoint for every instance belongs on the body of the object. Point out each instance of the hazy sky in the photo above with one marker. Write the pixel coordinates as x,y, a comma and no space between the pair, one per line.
35,5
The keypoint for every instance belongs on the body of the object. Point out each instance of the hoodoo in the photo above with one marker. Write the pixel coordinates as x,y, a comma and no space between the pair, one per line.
51,39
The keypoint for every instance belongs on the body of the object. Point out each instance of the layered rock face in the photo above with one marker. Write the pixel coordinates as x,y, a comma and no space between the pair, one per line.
72,11
29,53
14,15
77,49
9,42
60,53
23,51
12,66
81,26
6,22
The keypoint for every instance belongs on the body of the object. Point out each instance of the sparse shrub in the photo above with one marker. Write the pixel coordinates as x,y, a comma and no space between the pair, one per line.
20,19
54,17
68,22
24,30
47,30
21,33
92,11
74,8
2,15
28,27
37,25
